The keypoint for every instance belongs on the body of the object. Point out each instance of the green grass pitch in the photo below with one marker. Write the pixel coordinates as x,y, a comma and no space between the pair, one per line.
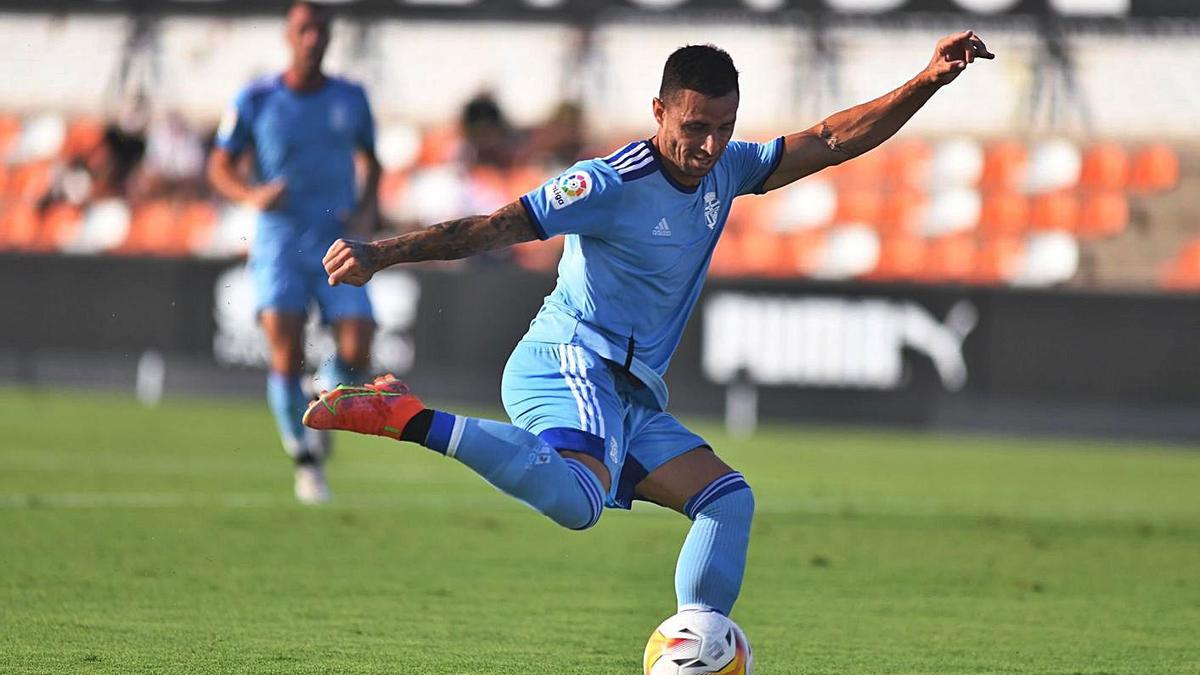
167,541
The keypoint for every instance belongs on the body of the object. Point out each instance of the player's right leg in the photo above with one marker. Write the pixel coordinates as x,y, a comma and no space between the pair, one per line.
570,489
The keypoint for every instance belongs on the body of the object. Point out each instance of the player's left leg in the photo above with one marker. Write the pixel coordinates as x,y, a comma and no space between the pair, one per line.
347,309
720,504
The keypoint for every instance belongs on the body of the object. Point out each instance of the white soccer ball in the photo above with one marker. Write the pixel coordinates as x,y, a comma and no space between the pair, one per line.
695,642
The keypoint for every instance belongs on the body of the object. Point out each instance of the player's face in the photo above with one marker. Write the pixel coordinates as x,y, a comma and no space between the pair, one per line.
694,129
308,36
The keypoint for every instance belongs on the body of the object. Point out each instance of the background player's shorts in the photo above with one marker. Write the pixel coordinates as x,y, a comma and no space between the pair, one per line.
574,400
288,276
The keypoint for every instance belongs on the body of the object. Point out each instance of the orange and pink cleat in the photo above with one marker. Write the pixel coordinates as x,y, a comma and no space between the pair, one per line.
381,408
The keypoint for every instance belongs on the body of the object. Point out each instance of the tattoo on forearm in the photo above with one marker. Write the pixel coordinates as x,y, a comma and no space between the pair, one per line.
833,143
460,238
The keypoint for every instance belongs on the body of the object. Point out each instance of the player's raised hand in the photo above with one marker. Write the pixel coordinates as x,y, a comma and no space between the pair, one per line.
954,53
266,196
349,262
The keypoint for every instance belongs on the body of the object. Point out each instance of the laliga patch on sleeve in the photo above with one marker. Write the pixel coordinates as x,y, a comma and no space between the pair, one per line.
569,188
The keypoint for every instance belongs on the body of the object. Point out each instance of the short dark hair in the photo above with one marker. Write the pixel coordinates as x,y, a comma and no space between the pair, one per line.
705,69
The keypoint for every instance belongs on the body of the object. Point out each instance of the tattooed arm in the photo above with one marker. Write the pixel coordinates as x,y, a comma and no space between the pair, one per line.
354,262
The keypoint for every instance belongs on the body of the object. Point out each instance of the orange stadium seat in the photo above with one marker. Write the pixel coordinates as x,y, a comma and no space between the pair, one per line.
1105,167
908,163
539,256
10,131
860,205
28,183
1182,273
523,179
802,252
901,257
19,227
83,136
1004,165
765,254
438,146
1104,214
997,261
1004,213
60,224
1154,168
869,171
152,231
948,259
1058,210
197,221
725,261
903,213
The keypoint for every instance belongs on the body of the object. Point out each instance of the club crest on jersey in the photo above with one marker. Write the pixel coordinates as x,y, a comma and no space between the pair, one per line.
569,188
712,209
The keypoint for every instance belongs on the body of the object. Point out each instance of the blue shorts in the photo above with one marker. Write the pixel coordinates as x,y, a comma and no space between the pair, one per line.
575,400
288,276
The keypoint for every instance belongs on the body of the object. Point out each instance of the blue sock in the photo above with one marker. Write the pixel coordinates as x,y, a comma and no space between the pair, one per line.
287,402
521,465
713,559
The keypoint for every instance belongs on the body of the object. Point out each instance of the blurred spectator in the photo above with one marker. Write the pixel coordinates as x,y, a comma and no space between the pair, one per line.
490,139
559,142
174,163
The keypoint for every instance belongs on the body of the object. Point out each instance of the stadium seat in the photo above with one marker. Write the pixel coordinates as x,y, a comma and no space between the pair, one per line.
60,223
105,226
908,163
153,230
41,138
525,178
233,233
726,261
27,183
19,227
803,251
1105,167
393,194
809,203
952,210
82,137
1054,164
957,162
859,205
439,146
1182,273
900,258
398,146
764,254
904,212
1004,213
1005,163
10,132
197,222
1050,258
948,259
849,251
1154,168
864,171
1058,210
1104,214
997,261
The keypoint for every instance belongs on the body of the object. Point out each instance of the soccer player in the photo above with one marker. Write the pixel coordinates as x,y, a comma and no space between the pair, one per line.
584,387
304,129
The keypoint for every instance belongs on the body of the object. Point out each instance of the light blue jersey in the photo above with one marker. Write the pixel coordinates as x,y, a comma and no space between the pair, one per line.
637,250
309,140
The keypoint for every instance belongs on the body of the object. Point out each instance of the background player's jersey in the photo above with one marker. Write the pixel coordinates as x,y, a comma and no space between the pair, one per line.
308,139
637,250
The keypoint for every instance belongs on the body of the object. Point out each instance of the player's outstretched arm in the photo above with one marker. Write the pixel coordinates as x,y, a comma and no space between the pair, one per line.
354,262
852,132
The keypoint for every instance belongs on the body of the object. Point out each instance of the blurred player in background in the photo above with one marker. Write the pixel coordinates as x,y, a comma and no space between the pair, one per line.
584,387
304,129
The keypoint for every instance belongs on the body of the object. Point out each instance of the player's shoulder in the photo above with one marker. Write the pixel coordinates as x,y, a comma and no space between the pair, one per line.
631,161
347,86
259,87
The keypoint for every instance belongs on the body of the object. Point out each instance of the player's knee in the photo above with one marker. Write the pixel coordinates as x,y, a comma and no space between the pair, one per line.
581,503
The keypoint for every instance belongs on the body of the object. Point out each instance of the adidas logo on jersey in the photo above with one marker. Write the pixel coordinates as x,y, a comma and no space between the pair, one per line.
662,229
